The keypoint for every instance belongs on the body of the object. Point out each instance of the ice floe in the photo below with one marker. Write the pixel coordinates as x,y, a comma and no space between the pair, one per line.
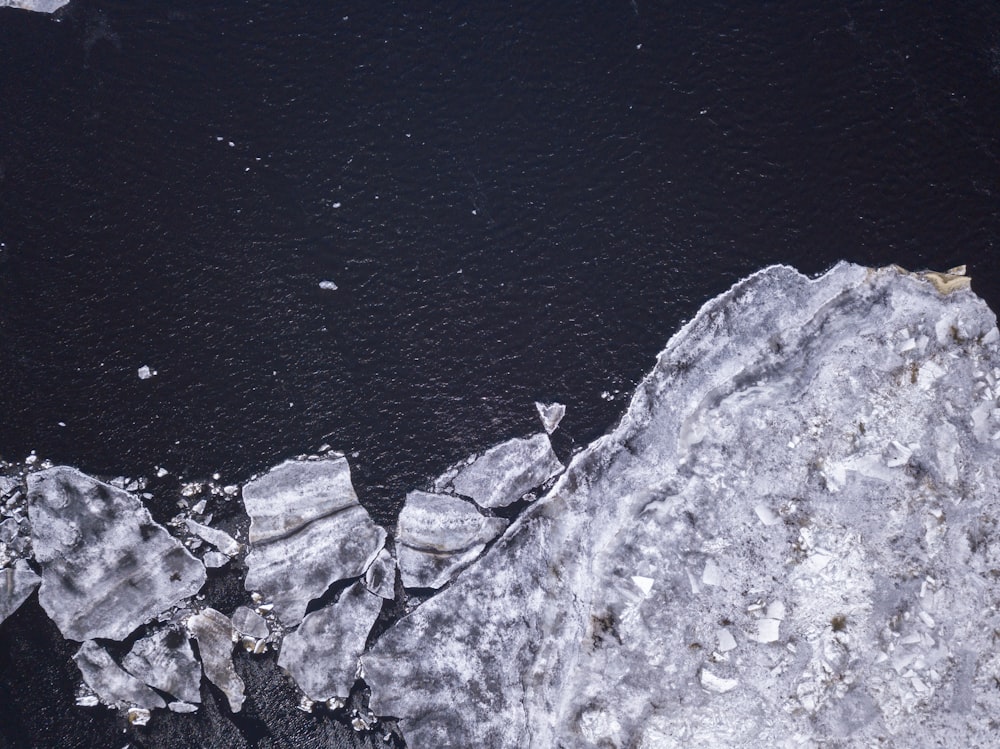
39,6
214,633
250,623
819,521
165,660
550,414
307,531
322,655
107,567
504,473
437,536
219,539
110,682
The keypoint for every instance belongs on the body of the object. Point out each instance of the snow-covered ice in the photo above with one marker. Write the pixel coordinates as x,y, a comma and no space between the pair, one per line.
438,535
107,567
307,531
504,473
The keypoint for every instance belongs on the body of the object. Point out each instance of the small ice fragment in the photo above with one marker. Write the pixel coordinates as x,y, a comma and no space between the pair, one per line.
726,640
199,507
145,372
250,622
380,577
182,707
717,684
214,633
231,144
214,559
645,584
766,515
219,539
138,716
336,205
62,423
775,610
161,472
328,285
550,414
712,574
88,700
767,630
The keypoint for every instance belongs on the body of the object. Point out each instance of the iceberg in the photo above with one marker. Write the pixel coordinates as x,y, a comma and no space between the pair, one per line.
307,531
734,564
107,567
504,473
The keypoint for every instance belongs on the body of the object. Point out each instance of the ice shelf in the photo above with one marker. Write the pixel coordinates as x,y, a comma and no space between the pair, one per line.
504,473
307,531
107,567
790,539
438,536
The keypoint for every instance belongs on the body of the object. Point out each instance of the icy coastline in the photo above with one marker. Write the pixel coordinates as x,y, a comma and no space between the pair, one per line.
789,539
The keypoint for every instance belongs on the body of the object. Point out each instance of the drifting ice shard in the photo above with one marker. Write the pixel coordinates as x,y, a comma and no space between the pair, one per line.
113,685
438,536
165,660
16,584
550,414
322,654
106,566
214,633
804,580
505,472
307,531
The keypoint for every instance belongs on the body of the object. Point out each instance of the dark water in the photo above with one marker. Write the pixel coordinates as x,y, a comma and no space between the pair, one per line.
517,203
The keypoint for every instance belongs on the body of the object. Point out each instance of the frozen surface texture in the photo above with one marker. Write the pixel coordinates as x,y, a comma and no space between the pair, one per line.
789,540
41,6
16,584
438,536
107,567
111,684
307,531
214,633
505,472
165,660
322,655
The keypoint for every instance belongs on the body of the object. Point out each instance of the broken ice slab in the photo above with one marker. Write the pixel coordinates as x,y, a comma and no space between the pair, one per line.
550,414
307,530
107,567
16,584
504,473
380,577
214,633
112,684
440,535
322,655
219,539
165,660
249,622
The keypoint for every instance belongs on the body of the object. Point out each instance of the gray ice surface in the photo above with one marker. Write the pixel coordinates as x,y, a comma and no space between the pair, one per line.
789,540
380,577
438,536
214,633
307,531
504,473
16,584
322,655
111,684
107,567
165,660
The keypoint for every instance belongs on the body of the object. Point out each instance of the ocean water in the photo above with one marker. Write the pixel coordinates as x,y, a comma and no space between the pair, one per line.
516,203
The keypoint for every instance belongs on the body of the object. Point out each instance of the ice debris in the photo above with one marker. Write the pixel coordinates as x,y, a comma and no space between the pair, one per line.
219,539
328,285
214,633
504,473
550,414
307,531
250,623
380,577
805,592
145,372
16,584
113,685
438,536
322,655
164,660
107,567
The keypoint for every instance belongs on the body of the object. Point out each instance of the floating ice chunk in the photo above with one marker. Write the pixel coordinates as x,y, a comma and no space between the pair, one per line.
380,577
164,660
645,584
182,707
113,685
322,654
214,633
145,372
550,414
505,472
107,567
438,536
307,531
214,559
219,539
717,684
249,622
328,285
16,584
